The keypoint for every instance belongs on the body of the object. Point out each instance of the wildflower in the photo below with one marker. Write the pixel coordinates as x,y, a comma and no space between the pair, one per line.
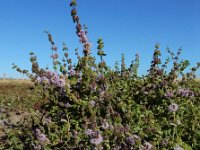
87,45
105,125
54,56
83,39
93,87
47,120
169,94
81,33
89,132
55,48
82,36
185,92
177,147
130,140
96,140
72,72
42,79
41,137
92,103
78,28
62,83
55,79
100,77
95,136
173,107
146,146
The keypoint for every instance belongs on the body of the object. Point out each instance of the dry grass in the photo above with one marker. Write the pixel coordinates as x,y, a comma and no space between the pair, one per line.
15,82
14,94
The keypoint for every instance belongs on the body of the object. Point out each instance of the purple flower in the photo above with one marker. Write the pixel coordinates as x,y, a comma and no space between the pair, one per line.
41,137
185,92
100,77
47,120
42,79
72,72
173,107
95,136
105,125
55,48
130,140
93,86
55,79
146,146
89,132
169,94
97,140
81,33
54,56
83,38
101,93
61,83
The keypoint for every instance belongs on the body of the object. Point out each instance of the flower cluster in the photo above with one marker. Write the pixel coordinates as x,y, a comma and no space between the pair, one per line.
169,94
173,107
185,92
130,140
81,33
146,146
41,137
95,136
53,78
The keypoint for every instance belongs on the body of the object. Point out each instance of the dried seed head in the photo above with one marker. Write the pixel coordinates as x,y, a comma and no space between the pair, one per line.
73,12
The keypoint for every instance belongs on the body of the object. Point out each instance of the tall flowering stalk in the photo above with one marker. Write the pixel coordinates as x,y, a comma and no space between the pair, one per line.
154,70
123,65
80,30
101,53
54,49
134,66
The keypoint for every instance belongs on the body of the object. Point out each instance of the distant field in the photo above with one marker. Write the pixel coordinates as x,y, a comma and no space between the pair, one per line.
15,94
15,82
15,101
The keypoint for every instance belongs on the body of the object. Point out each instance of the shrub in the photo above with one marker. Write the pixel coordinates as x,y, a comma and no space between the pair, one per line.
90,106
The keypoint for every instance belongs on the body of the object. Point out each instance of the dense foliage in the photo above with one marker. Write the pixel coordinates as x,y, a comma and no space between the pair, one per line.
90,106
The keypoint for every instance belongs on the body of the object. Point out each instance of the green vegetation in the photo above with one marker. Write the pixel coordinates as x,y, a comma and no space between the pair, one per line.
89,106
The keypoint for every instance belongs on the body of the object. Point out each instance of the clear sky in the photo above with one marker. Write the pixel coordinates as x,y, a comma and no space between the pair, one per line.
127,26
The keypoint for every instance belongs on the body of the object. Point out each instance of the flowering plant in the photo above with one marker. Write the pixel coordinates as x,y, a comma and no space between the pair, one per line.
90,106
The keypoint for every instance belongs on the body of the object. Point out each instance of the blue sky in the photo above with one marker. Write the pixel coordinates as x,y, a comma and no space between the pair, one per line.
128,26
